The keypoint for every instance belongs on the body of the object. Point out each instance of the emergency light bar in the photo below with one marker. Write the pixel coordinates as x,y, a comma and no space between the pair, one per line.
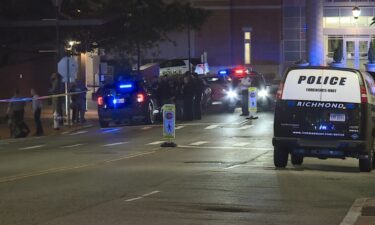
126,86
223,72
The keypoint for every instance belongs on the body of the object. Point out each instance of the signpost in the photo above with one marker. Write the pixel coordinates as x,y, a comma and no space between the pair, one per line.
169,121
252,102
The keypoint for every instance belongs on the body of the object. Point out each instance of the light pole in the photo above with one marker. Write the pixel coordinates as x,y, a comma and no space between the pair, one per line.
57,4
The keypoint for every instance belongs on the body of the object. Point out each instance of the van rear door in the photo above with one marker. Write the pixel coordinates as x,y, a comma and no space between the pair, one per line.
320,103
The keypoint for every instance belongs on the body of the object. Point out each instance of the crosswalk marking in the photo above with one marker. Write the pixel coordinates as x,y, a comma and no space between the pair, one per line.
198,143
32,147
114,144
179,127
241,144
72,146
155,143
246,127
211,127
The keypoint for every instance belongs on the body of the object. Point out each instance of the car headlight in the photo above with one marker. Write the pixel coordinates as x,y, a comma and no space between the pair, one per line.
263,93
231,94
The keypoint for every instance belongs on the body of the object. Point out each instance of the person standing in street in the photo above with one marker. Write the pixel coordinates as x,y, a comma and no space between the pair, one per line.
198,92
244,86
188,97
16,110
37,111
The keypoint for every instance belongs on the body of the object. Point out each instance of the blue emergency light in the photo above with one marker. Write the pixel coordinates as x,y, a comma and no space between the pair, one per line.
126,86
223,72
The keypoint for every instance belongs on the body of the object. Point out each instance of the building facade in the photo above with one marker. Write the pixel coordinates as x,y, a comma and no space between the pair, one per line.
271,35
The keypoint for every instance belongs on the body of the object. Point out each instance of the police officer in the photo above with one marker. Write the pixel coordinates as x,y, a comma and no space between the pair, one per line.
16,110
80,100
198,92
244,87
188,96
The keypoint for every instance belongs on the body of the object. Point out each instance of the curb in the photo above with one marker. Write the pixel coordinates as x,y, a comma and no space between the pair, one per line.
362,212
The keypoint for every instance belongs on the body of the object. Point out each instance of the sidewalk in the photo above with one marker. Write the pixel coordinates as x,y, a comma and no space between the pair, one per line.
367,216
47,123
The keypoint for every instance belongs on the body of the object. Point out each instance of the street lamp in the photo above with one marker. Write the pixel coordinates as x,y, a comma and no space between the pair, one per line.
356,12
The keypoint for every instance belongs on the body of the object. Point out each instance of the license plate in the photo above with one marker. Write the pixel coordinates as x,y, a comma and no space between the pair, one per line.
335,117
121,100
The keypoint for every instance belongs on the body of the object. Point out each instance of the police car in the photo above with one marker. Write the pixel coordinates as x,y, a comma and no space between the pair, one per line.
325,113
264,98
126,102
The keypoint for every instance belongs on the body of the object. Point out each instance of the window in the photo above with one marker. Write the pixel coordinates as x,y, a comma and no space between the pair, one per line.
247,47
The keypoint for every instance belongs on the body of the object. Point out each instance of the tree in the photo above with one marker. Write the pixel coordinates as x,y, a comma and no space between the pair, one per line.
127,25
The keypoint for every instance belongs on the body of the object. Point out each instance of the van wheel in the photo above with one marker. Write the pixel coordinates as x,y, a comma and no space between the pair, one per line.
296,159
365,165
280,156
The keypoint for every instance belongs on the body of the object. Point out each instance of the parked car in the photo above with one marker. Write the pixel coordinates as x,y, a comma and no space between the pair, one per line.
181,66
325,113
126,101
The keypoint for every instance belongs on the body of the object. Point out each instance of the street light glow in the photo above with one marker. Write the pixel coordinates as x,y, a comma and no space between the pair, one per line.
356,12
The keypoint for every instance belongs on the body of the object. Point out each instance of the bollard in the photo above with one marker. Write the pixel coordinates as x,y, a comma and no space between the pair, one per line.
169,121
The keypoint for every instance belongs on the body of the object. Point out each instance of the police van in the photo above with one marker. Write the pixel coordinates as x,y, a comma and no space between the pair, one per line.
325,113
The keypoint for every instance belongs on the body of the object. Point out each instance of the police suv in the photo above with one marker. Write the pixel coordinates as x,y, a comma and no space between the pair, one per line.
325,113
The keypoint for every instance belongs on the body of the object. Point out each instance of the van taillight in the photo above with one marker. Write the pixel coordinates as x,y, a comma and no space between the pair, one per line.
363,94
280,90
100,101
140,98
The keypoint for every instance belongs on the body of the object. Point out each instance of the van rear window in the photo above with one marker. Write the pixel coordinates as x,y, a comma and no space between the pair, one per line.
326,85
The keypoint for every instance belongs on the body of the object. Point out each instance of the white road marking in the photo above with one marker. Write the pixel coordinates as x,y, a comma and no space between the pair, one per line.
32,147
146,128
142,196
231,167
354,212
155,143
79,132
211,127
72,146
151,193
241,144
114,144
198,143
226,147
179,127
246,127
133,199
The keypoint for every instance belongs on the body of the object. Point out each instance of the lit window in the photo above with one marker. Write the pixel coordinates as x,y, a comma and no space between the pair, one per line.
247,47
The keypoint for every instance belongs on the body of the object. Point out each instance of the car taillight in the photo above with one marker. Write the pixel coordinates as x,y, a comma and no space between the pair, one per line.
363,94
279,92
140,98
239,72
100,101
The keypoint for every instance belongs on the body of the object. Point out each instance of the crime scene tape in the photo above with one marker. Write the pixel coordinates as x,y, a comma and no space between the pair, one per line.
29,99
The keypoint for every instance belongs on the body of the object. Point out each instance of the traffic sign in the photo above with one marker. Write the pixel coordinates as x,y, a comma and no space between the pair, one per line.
169,120
68,67
252,100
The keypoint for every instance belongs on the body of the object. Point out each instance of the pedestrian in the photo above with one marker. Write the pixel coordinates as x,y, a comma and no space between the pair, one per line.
188,97
79,101
16,110
198,92
179,97
244,87
37,111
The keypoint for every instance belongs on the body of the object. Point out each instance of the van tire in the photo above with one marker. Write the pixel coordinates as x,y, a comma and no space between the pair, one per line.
365,165
280,157
296,159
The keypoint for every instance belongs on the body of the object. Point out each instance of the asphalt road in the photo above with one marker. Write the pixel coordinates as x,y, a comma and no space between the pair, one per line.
221,173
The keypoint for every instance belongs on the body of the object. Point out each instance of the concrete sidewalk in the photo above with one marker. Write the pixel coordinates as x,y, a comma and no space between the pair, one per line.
367,215
47,123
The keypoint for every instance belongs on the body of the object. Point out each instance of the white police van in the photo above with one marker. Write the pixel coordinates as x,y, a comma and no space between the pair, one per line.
325,113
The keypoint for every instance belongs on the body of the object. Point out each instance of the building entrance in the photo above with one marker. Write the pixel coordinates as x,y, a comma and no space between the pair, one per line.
355,52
